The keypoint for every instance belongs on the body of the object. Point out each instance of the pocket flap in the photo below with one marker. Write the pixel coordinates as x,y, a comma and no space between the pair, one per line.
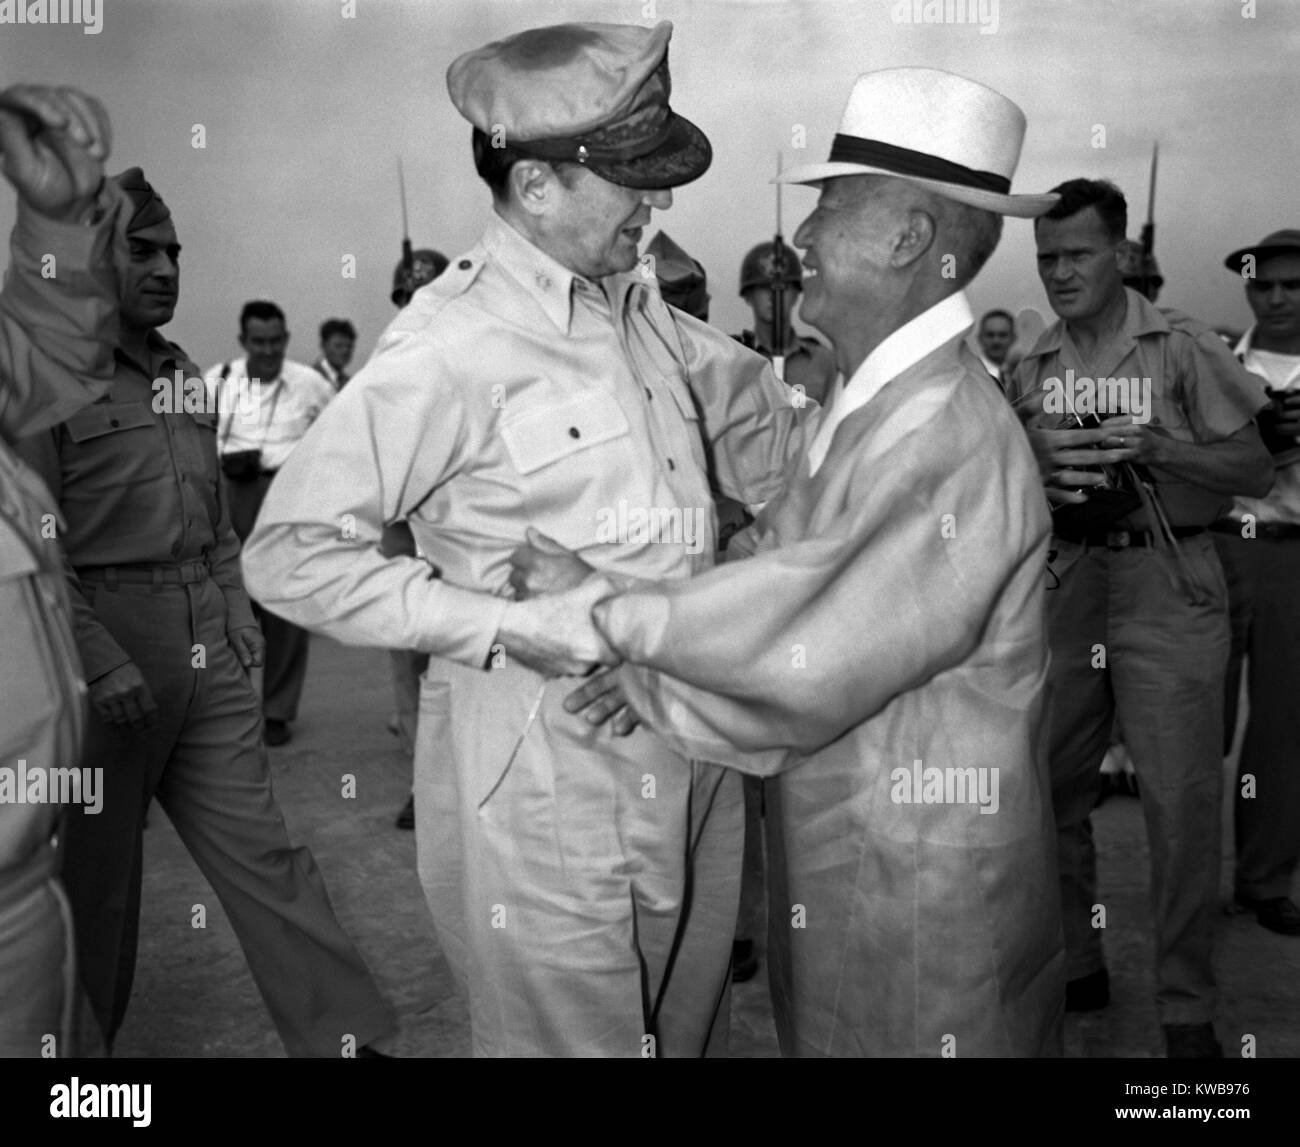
540,437
107,418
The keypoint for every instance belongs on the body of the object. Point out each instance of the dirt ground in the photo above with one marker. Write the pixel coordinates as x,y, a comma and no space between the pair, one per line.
194,996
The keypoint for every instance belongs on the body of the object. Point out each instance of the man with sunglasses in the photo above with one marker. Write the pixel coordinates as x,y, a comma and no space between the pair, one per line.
1259,545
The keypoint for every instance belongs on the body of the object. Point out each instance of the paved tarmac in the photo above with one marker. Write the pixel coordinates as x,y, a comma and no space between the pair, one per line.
194,996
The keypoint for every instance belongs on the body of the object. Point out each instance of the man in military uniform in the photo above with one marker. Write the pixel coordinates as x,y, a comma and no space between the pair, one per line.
683,282
583,885
56,354
1139,270
408,665
1137,611
426,265
808,364
167,636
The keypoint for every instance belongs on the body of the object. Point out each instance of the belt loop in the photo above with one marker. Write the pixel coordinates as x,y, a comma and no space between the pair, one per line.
156,579
110,578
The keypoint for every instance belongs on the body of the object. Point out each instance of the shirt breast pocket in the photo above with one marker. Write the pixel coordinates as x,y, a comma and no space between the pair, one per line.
573,458
116,444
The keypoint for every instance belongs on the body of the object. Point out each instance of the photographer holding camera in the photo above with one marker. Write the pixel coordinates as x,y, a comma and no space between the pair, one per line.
1136,602
267,403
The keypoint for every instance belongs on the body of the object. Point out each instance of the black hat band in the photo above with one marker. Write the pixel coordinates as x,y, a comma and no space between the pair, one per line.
904,161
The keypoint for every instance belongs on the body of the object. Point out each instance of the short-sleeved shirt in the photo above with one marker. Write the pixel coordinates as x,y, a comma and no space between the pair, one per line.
1164,368
1282,372
267,415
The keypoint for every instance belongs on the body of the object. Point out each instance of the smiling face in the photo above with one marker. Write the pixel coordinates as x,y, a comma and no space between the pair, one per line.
848,241
264,341
151,282
593,226
1079,264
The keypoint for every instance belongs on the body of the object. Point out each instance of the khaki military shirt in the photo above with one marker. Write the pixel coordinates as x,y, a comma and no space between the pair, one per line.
136,478
1164,368
511,392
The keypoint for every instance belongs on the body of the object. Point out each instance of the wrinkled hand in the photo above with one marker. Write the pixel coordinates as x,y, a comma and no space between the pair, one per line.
601,697
122,698
1061,452
541,565
58,170
249,645
554,635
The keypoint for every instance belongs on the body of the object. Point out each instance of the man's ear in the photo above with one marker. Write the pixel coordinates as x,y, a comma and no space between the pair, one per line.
243,341
532,181
913,238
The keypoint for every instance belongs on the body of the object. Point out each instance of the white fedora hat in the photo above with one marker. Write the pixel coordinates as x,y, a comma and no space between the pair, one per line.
935,129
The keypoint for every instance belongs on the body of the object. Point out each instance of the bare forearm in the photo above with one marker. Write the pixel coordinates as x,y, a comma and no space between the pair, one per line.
1232,467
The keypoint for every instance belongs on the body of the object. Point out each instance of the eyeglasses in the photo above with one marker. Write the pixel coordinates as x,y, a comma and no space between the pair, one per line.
1264,286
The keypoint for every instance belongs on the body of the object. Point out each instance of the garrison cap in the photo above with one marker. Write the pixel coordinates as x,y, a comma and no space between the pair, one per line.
147,207
594,94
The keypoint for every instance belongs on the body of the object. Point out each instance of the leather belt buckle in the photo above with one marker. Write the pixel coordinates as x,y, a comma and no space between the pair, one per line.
1117,539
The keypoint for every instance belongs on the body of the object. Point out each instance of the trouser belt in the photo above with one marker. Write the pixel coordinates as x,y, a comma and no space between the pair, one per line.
1114,539
148,573
1274,531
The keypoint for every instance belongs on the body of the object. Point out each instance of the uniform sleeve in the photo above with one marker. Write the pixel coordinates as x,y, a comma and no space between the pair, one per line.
224,564
751,428
100,653
760,662
1220,395
58,316
394,434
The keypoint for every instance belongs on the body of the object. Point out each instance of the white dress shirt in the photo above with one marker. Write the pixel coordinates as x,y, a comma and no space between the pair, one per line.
270,416
1282,372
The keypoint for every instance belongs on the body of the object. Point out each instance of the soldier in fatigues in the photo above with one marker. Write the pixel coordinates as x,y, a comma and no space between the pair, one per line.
56,337
808,364
166,634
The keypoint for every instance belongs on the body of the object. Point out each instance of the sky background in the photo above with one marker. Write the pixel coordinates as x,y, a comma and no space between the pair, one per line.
305,112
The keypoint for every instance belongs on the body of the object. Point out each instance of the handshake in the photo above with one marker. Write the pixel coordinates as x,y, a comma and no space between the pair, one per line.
552,626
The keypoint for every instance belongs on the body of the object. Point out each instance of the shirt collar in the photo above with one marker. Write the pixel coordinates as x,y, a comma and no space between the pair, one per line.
911,343
161,352
902,350
548,282
1142,317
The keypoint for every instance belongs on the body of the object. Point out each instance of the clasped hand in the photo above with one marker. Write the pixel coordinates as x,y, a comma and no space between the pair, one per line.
544,575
